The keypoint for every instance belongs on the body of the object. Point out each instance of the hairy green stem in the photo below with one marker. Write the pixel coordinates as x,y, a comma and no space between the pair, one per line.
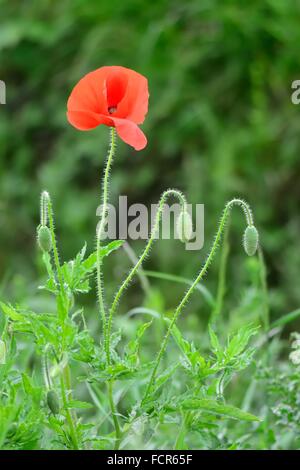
55,249
44,208
65,379
100,290
114,414
46,374
209,259
185,420
222,276
72,427
170,192
263,280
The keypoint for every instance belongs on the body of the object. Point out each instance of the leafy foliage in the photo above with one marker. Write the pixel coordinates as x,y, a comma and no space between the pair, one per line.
223,119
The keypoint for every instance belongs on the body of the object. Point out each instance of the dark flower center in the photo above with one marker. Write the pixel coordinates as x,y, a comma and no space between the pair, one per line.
112,109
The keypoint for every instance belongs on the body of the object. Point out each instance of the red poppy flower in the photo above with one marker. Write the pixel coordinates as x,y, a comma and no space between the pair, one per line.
114,96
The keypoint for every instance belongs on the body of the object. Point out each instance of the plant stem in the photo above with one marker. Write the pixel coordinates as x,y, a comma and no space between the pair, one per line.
179,443
100,290
222,276
65,378
166,194
126,282
72,427
209,259
263,280
134,259
54,247
114,414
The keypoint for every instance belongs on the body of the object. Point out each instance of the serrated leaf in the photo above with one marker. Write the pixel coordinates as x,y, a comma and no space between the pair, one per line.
91,261
162,378
239,341
112,246
132,349
77,271
27,384
214,342
11,312
182,343
214,406
47,262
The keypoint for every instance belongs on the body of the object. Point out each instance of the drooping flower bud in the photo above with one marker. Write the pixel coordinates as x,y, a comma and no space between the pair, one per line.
2,352
44,238
184,226
53,402
250,240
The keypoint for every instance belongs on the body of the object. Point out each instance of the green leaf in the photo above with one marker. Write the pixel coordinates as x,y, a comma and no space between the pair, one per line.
182,343
289,317
77,271
90,262
11,312
162,378
213,406
132,349
62,308
214,342
27,384
47,262
112,246
239,341
79,404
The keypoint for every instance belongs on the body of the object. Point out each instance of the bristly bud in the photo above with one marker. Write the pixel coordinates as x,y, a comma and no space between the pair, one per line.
44,238
2,352
44,207
53,402
250,240
184,226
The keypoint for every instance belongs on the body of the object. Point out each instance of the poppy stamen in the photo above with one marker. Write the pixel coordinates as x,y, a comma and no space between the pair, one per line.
112,109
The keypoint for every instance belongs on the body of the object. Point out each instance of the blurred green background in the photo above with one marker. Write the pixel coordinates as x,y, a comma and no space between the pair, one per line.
220,124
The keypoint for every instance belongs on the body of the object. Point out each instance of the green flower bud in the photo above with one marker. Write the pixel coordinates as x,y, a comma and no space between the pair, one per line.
250,240
44,238
2,352
184,226
53,402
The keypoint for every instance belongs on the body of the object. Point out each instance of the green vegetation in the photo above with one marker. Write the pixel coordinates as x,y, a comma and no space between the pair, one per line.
221,125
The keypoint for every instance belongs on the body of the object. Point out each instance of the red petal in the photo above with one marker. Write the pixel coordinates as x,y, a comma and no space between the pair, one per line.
90,93
130,133
134,105
85,120
116,84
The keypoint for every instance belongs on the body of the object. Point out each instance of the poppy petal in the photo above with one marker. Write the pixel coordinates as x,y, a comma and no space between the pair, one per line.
114,96
134,105
130,133
85,120
116,85
89,94
139,108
